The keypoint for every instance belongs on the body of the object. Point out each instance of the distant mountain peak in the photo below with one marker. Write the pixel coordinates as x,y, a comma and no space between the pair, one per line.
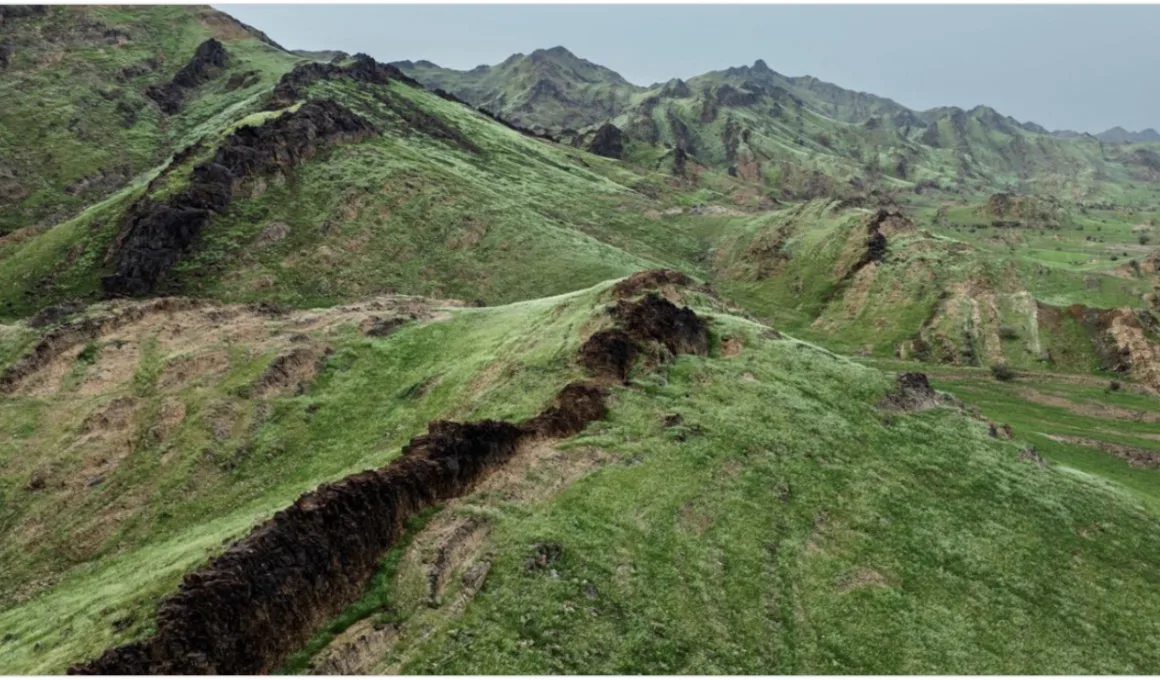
1118,135
760,66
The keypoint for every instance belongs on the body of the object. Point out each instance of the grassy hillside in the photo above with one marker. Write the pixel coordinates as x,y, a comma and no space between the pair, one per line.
77,123
763,483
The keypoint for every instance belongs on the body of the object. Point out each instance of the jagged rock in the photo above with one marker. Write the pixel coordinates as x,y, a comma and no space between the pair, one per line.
363,69
608,142
156,234
207,63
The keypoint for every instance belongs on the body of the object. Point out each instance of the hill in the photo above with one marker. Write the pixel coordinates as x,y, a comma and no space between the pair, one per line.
572,543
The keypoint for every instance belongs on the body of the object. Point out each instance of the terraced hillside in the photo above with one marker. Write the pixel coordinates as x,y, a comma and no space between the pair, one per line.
305,367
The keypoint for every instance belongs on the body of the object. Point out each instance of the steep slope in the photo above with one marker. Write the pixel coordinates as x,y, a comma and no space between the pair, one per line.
455,202
96,96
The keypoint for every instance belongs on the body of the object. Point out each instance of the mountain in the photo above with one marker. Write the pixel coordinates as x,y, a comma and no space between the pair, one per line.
547,88
783,132
1119,135
739,374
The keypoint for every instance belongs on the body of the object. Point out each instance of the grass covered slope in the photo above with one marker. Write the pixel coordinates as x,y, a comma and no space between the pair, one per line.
136,453
756,511
439,200
757,498
78,122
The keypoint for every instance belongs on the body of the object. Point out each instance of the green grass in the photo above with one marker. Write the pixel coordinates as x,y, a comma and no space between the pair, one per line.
176,499
802,531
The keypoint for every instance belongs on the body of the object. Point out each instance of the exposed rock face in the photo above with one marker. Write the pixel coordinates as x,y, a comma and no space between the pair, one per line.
156,234
885,219
208,62
364,69
641,325
10,12
680,158
269,593
608,142
912,392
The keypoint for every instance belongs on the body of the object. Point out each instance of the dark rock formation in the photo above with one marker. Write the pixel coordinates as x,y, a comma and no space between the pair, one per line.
208,62
10,12
268,594
676,89
680,158
363,69
642,325
912,392
6,52
608,142
156,234
728,95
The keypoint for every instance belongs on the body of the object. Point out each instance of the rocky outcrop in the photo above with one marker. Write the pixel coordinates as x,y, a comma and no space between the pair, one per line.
608,142
11,12
246,610
363,69
912,393
6,53
209,60
155,234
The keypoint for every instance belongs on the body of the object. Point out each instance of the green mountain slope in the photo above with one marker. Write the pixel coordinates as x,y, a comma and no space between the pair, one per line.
549,88
776,130
78,123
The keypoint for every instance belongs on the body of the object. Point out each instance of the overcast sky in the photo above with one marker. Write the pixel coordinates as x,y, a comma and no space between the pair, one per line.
1080,67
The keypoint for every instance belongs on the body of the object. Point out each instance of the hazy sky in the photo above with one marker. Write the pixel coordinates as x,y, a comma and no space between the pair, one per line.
1080,67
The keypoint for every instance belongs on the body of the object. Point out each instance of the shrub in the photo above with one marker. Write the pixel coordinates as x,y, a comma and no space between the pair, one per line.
1144,239
1114,386
1002,372
89,354
1008,333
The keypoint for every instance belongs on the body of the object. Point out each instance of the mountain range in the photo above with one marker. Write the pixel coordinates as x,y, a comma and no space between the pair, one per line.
315,364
